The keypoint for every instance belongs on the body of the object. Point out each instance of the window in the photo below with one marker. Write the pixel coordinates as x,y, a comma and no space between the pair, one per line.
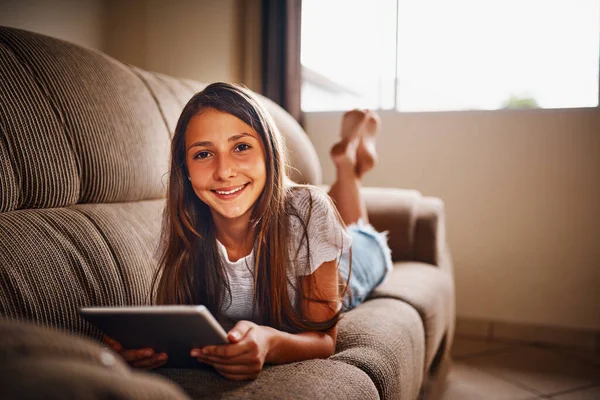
438,55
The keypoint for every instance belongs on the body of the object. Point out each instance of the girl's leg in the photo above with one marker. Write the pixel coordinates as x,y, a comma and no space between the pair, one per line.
353,156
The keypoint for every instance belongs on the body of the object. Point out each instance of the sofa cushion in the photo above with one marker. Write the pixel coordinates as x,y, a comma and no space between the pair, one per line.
170,95
91,131
430,291
9,185
36,170
53,261
385,339
307,380
41,363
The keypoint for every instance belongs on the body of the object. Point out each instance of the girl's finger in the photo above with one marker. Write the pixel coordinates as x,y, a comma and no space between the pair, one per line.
113,344
233,377
158,364
151,362
240,359
237,369
226,350
240,330
137,355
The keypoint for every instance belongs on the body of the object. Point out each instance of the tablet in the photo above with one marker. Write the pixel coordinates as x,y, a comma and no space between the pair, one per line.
174,330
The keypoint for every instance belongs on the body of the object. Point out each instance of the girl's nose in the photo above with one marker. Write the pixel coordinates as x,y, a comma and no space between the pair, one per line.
225,168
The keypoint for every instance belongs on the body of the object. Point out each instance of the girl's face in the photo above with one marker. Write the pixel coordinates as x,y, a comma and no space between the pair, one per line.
225,159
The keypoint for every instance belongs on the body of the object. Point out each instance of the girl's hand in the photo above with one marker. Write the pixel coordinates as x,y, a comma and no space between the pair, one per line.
243,358
140,358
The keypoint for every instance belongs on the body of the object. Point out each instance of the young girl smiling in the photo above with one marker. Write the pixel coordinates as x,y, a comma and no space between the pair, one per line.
269,257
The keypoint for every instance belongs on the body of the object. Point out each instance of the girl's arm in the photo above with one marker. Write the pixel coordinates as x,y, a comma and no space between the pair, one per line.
287,347
252,345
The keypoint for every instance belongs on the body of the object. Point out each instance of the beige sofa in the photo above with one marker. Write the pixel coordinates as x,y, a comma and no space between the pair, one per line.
83,156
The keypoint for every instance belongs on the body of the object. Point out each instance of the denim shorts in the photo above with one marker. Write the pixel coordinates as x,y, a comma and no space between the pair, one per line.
371,262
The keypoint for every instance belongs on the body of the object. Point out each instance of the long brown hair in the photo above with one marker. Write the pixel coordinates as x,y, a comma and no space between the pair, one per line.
190,269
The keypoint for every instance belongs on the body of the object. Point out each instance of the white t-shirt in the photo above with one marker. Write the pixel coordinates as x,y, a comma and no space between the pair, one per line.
327,241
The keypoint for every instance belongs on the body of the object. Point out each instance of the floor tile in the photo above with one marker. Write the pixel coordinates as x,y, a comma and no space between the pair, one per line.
585,394
590,356
468,383
539,369
464,347
542,334
465,383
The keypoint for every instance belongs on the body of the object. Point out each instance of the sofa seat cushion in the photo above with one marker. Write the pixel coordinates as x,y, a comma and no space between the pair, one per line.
307,380
53,261
385,339
430,291
37,362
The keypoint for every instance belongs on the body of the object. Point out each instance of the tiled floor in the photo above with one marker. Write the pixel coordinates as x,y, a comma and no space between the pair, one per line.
505,371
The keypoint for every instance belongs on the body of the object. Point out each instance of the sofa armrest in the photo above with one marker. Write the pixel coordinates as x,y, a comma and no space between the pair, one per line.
395,211
431,247
430,232
416,224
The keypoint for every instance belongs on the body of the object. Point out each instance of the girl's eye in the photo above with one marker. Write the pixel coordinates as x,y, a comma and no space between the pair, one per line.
242,147
202,155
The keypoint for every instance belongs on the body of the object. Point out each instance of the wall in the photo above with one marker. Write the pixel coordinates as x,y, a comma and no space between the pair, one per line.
522,196
196,39
77,21
185,38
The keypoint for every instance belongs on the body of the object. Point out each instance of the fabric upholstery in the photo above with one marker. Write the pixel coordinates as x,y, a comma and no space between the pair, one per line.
9,186
430,232
430,291
169,102
307,380
395,211
56,260
38,363
196,86
96,109
385,339
37,171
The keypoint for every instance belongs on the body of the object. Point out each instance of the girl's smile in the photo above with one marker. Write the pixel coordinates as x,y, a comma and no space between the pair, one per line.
225,159
230,192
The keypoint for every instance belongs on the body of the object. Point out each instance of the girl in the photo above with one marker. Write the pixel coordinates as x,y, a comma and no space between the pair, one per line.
260,252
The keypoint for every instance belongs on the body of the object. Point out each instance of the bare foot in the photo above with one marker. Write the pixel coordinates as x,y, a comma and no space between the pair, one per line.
344,152
366,155
353,124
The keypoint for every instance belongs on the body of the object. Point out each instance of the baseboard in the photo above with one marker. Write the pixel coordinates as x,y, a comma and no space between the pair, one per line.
523,333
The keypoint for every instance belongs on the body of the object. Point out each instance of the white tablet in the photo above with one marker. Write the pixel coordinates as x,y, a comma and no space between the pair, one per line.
171,329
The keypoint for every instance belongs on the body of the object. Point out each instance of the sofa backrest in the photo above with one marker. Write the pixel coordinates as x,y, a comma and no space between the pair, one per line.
83,159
